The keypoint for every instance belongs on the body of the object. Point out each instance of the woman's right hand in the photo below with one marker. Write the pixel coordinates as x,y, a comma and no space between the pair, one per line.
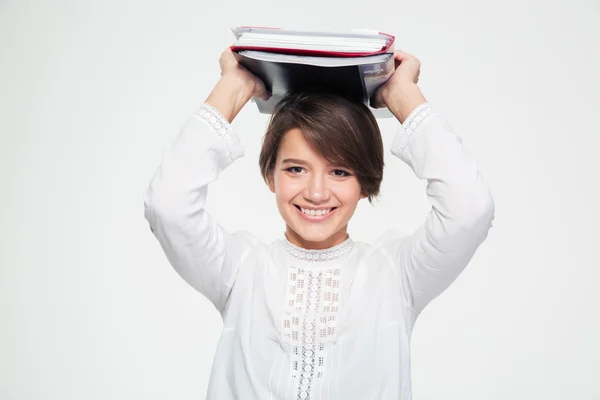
231,68
236,86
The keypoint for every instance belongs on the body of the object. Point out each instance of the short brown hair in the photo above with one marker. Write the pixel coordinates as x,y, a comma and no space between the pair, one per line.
343,131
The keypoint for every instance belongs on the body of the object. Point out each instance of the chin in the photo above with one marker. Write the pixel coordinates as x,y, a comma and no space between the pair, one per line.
314,237
313,234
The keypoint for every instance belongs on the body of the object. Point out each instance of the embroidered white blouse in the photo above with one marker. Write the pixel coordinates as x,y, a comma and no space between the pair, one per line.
317,324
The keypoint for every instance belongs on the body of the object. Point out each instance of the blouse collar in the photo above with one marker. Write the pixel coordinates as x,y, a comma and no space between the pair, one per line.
320,255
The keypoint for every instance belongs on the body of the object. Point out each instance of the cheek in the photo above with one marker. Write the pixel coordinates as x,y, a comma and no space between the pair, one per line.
348,192
286,188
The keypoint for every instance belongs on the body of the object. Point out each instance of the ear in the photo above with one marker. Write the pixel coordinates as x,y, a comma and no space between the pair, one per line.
271,182
363,195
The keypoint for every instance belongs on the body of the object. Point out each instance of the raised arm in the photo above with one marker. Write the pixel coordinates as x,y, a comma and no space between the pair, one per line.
462,210
199,249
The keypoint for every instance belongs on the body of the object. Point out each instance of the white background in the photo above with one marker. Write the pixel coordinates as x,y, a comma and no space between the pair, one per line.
92,92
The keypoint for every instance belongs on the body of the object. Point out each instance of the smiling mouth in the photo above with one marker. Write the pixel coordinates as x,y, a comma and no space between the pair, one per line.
315,213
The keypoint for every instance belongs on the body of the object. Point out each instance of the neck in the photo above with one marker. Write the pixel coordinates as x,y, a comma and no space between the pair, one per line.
335,239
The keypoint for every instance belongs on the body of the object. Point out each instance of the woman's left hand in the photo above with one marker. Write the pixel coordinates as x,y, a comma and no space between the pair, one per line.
405,76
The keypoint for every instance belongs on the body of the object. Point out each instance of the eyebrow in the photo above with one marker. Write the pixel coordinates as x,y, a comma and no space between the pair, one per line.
294,161
306,163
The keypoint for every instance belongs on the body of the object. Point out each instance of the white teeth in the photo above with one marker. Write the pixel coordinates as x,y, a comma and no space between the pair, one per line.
314,212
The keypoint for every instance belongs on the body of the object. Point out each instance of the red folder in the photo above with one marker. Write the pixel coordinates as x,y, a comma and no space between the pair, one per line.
388,48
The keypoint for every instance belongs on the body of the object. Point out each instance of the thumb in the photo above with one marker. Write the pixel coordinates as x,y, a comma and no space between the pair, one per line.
376,101
260,91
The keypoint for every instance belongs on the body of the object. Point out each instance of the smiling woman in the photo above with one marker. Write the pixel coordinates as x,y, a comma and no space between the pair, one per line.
321,154
315,315
343,132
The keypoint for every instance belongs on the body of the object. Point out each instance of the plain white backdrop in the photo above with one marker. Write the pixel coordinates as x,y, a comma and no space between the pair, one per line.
92,92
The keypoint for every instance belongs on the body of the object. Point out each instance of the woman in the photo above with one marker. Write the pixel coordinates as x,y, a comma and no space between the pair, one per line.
315,315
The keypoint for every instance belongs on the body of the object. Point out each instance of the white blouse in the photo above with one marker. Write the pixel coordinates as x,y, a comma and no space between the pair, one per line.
317,324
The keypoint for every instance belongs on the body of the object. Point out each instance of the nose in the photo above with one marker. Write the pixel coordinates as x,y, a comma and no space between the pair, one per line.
317,190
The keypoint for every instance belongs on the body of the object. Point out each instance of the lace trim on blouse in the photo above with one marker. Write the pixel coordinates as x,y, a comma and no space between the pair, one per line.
311,315
220,125
410,125
310,321
329,254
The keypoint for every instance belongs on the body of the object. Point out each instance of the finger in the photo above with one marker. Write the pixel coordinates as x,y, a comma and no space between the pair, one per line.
227,54
228,60
375,100
401,55
260,90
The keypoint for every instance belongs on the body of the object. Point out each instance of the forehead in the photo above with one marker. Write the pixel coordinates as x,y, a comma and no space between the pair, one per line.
294,145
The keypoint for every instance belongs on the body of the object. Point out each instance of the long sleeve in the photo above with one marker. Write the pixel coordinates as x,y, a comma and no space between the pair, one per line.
202,252
430,259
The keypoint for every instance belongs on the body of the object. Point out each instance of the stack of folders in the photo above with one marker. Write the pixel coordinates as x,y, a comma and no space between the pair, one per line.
353,63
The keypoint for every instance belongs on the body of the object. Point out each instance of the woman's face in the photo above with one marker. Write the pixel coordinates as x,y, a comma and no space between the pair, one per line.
315,198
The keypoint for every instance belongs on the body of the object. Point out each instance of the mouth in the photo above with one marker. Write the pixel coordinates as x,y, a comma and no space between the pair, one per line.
313,215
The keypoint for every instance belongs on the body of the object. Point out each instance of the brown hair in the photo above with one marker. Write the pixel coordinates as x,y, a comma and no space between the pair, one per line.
343,131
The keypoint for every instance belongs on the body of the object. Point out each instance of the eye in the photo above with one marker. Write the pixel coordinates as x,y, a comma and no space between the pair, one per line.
294,170
340,173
